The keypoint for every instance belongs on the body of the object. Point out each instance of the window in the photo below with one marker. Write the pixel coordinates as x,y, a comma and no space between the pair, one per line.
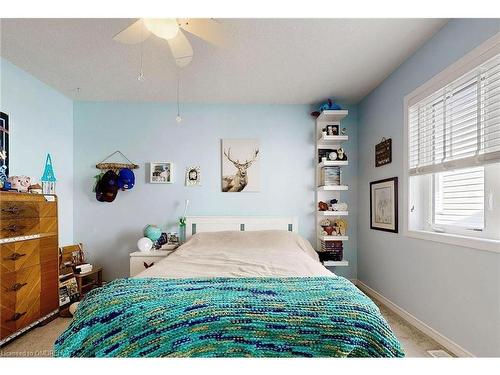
453,143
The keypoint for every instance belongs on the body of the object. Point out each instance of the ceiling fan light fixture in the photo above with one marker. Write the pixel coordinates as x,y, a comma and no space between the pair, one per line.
165,28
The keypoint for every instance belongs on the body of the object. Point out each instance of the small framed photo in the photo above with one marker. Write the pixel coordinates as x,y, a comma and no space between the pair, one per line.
172,238
384,205
193,176
332,130
160,173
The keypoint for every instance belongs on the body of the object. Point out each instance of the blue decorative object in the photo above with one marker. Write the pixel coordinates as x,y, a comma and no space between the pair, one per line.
329,105
49,178
152,232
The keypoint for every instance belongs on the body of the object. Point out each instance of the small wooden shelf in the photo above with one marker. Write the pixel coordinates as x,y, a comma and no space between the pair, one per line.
336,263
330,115
333,213
334,238
333,187
333,163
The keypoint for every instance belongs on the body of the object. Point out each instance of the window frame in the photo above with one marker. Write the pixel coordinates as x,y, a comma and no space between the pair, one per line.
471,60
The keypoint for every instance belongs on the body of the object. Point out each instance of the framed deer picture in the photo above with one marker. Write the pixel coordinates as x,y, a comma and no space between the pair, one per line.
240,165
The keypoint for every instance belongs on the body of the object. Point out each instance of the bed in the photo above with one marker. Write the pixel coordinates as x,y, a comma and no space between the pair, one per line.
237,288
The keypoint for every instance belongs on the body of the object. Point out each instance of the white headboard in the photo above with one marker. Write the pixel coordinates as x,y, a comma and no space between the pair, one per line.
198,224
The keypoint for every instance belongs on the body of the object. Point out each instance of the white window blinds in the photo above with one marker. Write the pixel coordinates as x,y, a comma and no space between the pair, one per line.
457,126
459,198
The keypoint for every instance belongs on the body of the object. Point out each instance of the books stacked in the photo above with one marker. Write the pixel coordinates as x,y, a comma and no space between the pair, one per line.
330,176
331,250
83,268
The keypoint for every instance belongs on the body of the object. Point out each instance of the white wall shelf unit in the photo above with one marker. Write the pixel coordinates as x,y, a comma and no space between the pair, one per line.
328,140
334,238
333,188
333,263
333,163
332,115
333,213
329,192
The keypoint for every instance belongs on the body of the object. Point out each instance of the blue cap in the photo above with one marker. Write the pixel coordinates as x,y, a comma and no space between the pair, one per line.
126,179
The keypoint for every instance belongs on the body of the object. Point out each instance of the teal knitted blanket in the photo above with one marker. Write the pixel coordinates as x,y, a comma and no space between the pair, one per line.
228,317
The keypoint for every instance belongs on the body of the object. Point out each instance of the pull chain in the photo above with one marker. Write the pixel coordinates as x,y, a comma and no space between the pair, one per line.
178,118
140,78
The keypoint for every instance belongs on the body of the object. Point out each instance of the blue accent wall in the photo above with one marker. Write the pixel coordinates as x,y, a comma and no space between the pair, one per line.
41,122
455,290
148,132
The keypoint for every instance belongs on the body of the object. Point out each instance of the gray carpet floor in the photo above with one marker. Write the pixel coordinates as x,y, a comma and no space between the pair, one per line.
39,341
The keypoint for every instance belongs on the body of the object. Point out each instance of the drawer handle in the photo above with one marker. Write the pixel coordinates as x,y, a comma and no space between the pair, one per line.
15,256
148,265
16,316
13,228
12,210
16,287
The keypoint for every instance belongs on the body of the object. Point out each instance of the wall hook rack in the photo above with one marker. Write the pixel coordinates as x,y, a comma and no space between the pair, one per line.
103,165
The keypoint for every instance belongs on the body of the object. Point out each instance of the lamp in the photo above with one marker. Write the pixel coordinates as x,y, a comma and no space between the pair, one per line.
166,28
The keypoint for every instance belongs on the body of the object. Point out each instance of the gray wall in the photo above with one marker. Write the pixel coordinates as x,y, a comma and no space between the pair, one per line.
41,122
455,290
148,132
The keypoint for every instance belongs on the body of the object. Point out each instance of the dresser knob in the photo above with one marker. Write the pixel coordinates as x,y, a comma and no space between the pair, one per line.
12,210
16,287
16,316
148,265
14,256
13,228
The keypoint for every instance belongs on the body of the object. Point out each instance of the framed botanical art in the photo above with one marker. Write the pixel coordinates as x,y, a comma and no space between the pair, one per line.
160,173
240,165
384,205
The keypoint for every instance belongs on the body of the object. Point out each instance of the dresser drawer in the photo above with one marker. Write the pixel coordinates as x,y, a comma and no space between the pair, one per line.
19,299
18,210
23,254
19,227
17,255
139,261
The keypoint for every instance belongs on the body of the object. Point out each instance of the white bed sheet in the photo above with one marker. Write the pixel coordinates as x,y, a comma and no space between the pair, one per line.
269,253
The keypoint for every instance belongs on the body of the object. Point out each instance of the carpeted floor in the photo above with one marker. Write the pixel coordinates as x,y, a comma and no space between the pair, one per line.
39,341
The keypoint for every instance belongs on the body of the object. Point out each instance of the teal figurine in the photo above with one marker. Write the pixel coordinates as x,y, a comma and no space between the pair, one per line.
49,178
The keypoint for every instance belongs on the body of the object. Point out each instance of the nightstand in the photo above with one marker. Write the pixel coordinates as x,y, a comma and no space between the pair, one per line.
140,260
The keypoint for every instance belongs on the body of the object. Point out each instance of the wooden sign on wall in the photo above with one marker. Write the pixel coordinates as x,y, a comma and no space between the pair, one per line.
383,152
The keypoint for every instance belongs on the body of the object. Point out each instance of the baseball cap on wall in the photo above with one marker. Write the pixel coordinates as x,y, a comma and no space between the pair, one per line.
107,187
126,179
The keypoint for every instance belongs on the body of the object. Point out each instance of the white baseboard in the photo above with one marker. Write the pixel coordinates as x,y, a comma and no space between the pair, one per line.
417,323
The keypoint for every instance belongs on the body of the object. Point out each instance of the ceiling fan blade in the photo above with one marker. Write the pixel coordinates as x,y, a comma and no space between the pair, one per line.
135,33
205,28
181,49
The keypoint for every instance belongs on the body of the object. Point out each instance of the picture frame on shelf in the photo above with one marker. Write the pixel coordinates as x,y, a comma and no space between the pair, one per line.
384,205
161,172
332,130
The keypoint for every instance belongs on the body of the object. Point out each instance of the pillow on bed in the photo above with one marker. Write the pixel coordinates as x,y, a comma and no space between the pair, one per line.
265,240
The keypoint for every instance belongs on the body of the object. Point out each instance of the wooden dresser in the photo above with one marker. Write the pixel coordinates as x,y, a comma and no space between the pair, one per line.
29,279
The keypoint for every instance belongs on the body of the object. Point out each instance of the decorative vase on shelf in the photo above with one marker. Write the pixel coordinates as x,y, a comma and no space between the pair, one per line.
182,224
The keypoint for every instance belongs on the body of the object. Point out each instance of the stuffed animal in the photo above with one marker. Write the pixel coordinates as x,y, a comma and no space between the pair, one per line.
342,206
323,206
20,183
329,105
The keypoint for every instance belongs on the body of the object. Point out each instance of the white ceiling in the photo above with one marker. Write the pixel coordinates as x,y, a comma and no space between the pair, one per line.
263,60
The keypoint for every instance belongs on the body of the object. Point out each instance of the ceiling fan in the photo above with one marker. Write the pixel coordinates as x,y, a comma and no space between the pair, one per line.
171,29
